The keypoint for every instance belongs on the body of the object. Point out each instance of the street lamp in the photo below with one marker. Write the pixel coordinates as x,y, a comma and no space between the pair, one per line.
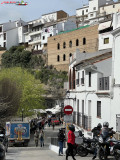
68,94
22,114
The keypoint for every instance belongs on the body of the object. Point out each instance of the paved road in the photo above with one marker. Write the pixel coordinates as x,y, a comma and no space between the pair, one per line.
37,153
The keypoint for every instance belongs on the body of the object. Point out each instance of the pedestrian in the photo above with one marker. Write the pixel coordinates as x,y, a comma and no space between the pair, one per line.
61,138
70,142
53,125
96,132
42,137
36,137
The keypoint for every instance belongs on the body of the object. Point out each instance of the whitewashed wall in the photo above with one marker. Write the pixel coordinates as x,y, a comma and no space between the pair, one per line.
102,36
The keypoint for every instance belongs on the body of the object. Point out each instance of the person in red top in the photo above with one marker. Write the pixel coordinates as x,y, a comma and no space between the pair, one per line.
70,142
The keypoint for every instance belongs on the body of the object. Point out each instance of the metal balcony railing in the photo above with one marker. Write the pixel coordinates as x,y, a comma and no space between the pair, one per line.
104,83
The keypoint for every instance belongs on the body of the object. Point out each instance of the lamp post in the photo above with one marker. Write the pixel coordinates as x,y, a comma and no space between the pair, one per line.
22,114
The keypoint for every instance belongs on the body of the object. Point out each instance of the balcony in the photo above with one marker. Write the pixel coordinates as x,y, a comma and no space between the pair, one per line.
35,32
33,41
103,86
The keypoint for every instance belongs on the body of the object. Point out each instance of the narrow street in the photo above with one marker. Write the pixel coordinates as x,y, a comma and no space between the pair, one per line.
35,153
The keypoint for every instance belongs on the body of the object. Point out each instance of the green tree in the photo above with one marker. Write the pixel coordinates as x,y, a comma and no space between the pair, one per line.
24,86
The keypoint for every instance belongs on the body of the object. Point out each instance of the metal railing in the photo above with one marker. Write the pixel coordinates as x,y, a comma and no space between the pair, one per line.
54,141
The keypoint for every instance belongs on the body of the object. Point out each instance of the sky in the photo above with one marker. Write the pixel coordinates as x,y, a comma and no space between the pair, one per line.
36,8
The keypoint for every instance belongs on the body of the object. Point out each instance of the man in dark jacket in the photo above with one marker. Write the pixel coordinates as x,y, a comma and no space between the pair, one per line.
61,138
96,132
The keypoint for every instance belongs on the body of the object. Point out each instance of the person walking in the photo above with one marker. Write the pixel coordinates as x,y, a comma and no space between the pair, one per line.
36,137
70,142
61,138
42,137
53,125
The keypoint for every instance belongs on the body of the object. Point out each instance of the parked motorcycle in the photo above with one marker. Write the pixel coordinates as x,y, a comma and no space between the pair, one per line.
105,143
88,146
2,152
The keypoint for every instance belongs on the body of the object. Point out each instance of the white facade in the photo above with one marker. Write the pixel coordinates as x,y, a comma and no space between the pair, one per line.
88,94
110,9
11,33
102,38
92,9
49,17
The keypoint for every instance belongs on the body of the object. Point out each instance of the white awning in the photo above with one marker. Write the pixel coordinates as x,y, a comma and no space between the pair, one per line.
104,25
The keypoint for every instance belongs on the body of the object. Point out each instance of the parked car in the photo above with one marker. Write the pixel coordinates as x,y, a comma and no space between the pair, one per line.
55,120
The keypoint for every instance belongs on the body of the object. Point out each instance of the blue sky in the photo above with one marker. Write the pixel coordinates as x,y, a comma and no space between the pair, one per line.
36,8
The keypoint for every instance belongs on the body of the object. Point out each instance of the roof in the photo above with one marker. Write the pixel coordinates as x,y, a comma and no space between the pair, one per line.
83,7
90,56
53,12
74,29
37,24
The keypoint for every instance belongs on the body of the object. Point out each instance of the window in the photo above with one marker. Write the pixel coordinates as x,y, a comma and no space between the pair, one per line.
86,10
50,35
82,12
4,36
84,41
37,47
77,80
64,57
70,44
70,55
91,15
113,6
58,46
64,45
94,8
106,40
99,109
82,106
58,58
4,44
82,79
89,79
77,42
0,29
43,37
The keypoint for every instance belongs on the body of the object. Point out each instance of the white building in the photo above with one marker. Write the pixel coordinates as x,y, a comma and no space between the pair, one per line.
110,8
40,32
9,33
115,88
105,36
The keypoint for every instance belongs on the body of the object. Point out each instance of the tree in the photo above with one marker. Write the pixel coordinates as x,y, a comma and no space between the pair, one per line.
19,90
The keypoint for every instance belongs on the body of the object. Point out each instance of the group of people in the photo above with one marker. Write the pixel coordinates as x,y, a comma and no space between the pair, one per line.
39,137
71,139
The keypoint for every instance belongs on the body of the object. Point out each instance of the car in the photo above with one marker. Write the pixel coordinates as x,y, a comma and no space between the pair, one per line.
55,120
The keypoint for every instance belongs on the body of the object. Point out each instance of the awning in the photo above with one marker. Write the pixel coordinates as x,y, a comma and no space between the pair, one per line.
104,25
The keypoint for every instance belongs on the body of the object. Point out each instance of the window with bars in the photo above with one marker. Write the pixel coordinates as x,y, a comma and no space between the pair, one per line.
99,109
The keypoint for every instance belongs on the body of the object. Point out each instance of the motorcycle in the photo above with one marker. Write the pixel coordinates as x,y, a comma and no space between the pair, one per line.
105,145
88,146
2,152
